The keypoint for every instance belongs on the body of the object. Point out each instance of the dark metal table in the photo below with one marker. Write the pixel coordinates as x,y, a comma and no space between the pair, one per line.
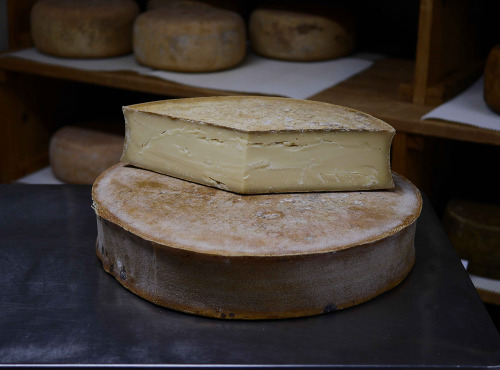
58,306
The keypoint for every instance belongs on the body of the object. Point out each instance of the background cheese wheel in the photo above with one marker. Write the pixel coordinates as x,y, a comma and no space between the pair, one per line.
300,36
210,252
183,4
492,79
189,39
238,6
83,28
78,155
474,230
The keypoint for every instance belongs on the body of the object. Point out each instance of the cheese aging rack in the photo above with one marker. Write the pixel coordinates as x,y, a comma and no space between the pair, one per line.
398,91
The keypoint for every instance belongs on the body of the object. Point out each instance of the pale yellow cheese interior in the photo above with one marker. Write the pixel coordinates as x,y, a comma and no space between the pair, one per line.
240,159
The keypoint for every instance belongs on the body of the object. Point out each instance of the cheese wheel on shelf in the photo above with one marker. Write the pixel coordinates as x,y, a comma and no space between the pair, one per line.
182,4
204,251
83,28
474,231
299,35
492,79
256,144
189,39
78,155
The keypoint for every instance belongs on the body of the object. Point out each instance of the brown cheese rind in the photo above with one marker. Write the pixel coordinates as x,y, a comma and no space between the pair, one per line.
189,39
200,250
264,114
83,28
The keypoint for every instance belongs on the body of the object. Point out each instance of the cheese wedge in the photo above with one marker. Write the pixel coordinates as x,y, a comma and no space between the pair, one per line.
215,253
252,145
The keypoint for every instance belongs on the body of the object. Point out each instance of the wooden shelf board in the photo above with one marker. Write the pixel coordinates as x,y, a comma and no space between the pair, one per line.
127,80
373,91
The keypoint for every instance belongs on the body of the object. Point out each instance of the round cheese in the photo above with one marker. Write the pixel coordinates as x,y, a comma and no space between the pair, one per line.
474,231
492,79
83,28
78,155
189,39
183,4
300,36
214,253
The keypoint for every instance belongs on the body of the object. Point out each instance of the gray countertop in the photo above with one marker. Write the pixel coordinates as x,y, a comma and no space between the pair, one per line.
58,306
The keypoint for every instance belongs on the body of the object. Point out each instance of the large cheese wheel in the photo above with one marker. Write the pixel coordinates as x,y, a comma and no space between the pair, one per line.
210,252
492,79
78,155
83,28
300,36
189,39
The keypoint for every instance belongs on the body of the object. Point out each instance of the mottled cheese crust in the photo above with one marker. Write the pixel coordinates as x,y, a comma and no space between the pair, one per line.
253,145
300,36
200,250
83,28
78,155
194,217
492,79
189,39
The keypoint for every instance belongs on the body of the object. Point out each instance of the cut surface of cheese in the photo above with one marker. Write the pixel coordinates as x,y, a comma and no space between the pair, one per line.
201,250
78,154
253,145
189,38
83,28
300,36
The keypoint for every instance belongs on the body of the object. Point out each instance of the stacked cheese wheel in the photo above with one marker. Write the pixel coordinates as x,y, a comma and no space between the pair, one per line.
255,208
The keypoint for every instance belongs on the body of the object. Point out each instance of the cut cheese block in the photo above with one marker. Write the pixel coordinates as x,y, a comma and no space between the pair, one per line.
300,36
255,145
78,155
189,39
474,230
492,79
83,28
214,253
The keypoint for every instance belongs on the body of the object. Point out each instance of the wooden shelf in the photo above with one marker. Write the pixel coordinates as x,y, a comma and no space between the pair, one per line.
374,91
123,80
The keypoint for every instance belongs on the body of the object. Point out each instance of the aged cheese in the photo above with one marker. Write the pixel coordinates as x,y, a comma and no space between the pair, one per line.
300,36
492,79
189,38
260,144
474,231
83,28
78,155
157,4
201,250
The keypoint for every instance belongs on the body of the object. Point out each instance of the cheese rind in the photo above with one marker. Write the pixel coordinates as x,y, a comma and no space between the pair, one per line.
290,34
252,145
215,253
492,79
83,28
189,39
78,155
